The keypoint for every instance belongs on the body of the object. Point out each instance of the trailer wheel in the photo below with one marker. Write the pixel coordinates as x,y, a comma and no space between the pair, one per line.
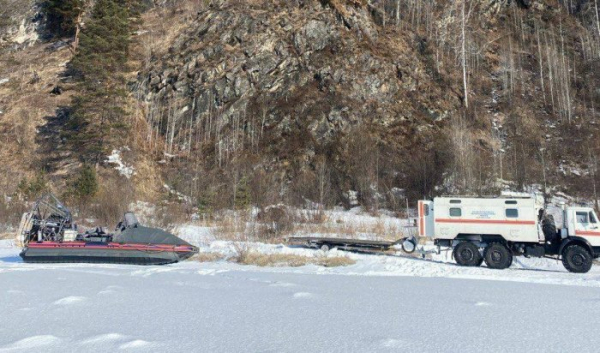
498,256
577,259
467,254
409,245
325,247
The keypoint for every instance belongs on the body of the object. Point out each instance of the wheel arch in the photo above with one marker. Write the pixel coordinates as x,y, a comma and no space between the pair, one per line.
577,241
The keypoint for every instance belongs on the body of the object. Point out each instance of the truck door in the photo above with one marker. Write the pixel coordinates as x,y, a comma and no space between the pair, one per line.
425,221
587,225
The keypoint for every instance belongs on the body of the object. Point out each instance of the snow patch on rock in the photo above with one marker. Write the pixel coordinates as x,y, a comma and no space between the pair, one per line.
123,169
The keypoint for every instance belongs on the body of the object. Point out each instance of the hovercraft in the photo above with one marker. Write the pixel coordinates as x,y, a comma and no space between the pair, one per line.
48,235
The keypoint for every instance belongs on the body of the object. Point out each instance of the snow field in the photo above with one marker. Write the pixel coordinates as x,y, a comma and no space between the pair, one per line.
382,303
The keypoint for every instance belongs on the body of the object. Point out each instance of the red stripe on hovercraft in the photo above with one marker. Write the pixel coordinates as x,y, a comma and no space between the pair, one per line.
110,246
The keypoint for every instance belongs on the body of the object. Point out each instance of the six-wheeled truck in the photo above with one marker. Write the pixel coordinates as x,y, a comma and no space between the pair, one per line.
495,230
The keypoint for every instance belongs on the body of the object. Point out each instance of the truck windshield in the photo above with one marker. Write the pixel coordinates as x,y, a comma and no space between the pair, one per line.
582,217
593,217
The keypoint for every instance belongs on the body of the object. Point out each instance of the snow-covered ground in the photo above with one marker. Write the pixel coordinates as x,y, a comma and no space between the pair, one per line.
381,303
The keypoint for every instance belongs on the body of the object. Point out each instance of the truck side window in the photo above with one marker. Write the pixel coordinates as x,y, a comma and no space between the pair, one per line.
455,212
426,210
593,218
512,213
582,217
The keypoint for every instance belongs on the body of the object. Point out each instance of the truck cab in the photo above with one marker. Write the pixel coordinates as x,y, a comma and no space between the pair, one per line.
581,222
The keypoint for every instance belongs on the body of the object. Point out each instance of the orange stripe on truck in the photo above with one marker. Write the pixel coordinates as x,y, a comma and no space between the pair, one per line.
588,233
483,221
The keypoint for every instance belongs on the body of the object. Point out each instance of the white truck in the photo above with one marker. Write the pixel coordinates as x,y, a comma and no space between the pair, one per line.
496,229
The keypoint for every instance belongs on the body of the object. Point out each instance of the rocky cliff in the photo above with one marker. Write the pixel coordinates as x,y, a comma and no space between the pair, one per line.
345,101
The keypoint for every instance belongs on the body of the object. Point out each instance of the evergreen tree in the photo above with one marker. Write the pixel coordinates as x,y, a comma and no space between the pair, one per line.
99,66
62,16
31,189
85,186
242,195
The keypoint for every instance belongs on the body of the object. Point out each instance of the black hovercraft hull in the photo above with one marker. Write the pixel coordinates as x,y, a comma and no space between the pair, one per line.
106,253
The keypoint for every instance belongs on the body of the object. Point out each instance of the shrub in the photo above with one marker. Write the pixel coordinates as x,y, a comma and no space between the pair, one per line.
276,221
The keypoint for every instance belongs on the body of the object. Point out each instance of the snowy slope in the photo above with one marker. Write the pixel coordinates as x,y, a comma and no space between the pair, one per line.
382,303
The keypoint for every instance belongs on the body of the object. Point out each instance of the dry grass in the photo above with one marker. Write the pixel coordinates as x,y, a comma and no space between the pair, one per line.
289,260
243,226
378,230
24,103
7,236
208,257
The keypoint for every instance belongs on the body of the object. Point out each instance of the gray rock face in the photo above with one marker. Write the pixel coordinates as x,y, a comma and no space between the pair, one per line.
284,82
315,35
20,23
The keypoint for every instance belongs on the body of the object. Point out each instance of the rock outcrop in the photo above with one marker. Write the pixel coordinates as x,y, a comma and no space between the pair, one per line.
292,81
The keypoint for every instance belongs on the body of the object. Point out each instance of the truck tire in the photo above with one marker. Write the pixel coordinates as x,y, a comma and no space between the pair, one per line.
467,254
498,256
577,259
409,245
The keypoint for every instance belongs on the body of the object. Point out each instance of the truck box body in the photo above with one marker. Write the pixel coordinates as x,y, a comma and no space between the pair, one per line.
514,219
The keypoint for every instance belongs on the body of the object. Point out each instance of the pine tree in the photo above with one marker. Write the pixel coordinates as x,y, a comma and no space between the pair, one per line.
85,186
99,66
62,16
242,197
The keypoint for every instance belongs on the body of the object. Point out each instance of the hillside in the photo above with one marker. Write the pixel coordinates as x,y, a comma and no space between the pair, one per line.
228,104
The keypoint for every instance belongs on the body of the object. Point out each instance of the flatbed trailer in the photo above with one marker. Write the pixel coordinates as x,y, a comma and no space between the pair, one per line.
408,244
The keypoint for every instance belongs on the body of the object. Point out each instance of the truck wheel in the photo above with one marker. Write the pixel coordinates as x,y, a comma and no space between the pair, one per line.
325,247
498,256
577,259
467,254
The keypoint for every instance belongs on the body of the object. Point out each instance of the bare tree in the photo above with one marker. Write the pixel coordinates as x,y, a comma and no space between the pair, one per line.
597,17
463,38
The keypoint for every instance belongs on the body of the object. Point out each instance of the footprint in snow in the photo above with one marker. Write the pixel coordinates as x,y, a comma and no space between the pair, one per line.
109,290
69,300
303,295
136,344
31,342
391,343
282,284
107,337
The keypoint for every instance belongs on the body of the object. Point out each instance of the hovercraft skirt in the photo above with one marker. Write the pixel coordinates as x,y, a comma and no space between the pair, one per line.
135,254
